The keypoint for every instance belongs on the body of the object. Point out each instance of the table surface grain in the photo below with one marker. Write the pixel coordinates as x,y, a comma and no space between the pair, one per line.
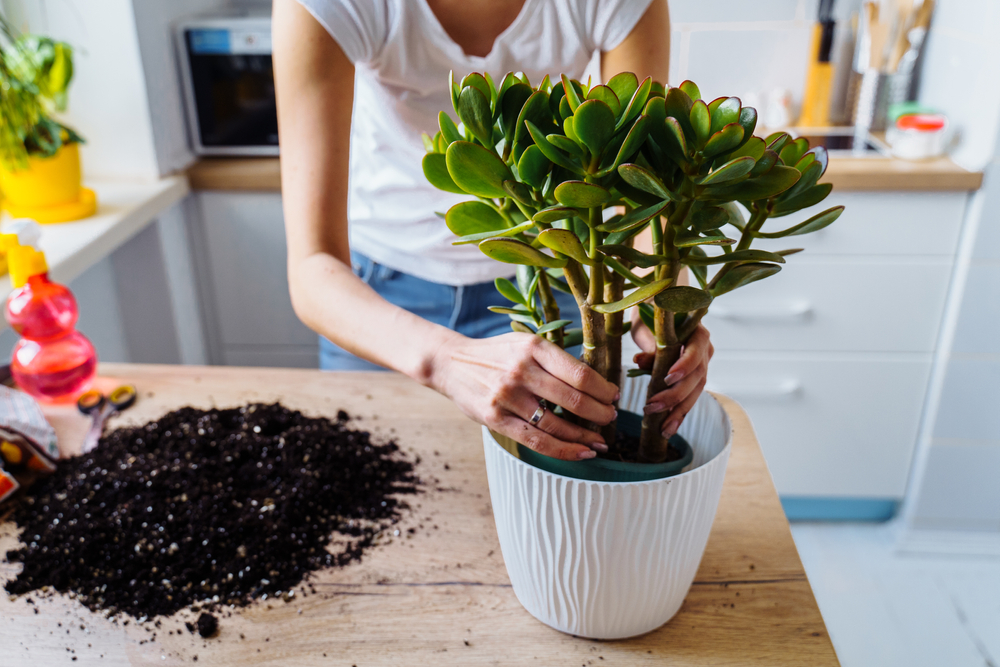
440,596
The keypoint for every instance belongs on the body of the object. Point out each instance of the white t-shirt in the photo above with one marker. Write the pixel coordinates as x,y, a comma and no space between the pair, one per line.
402,56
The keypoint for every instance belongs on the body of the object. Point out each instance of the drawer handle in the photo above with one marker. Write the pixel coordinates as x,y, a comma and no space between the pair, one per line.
781,389
798,310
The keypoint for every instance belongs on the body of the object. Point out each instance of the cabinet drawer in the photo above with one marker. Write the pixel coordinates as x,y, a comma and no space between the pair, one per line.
830,425
879,223
836,304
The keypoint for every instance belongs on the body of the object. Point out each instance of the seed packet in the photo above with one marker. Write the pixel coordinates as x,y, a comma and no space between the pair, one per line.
27,441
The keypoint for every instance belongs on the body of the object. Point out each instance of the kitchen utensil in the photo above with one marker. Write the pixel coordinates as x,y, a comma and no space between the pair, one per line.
100,407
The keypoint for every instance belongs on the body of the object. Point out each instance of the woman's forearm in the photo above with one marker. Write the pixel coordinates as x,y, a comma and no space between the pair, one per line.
335,303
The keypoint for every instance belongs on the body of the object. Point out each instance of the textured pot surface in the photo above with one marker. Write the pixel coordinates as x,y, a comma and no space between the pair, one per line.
608,560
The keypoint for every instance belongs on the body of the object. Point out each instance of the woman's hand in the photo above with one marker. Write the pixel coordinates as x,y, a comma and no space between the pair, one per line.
686,377
499,381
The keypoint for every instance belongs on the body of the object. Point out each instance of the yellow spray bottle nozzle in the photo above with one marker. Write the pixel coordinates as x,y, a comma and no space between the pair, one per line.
25,262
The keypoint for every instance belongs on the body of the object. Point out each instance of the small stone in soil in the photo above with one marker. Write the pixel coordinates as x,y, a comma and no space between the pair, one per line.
208,625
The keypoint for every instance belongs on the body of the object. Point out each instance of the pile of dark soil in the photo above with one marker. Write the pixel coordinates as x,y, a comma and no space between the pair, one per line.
220,505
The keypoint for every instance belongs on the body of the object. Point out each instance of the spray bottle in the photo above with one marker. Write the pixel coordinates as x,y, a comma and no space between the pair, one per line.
52,361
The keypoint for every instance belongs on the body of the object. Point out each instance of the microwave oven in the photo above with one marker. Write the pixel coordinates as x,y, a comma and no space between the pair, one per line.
228,81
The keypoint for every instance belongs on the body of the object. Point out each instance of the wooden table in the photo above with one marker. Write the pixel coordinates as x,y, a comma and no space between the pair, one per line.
440,596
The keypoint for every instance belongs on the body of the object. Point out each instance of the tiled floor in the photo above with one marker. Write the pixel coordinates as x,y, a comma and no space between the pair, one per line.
884,609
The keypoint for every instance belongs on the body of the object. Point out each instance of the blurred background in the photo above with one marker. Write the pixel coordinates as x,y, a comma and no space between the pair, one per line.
871,371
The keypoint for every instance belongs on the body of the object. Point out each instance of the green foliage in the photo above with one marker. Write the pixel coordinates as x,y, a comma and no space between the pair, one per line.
35,73
546,163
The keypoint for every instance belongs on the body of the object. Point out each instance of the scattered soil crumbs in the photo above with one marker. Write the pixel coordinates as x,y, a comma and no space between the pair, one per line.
208,625
208,506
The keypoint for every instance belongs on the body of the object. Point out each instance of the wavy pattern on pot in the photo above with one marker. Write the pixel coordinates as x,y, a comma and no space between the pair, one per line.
608,560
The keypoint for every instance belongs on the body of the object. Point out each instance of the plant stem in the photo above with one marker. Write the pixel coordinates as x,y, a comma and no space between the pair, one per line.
595,339
614,289
549,306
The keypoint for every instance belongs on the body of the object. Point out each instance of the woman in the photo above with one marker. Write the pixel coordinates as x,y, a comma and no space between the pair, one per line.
417,304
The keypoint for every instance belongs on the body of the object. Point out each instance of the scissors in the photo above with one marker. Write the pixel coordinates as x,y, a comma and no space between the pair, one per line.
100,407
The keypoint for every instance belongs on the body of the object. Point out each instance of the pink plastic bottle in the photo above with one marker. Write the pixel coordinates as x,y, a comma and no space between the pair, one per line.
52,361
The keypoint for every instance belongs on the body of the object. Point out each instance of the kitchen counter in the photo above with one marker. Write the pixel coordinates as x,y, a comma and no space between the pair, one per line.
441,596
846,175
123,209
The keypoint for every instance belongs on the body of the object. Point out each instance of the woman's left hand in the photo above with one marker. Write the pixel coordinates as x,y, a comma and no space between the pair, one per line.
686,378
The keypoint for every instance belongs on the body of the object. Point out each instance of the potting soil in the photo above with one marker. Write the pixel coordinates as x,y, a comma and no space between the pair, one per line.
224,506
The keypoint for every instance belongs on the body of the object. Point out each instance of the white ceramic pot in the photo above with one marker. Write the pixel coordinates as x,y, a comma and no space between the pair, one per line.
609,560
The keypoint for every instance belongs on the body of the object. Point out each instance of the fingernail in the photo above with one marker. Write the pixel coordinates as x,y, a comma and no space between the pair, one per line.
586,454
599,446
618,396
673,378
671,428
654,407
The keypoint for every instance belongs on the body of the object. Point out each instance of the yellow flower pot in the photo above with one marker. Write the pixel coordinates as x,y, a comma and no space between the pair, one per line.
49,189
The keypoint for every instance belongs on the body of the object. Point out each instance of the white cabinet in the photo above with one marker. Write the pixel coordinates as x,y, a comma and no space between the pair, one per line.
243,271
832,356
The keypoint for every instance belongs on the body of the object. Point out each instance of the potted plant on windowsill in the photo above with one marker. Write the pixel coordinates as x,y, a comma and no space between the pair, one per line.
39,156
565,176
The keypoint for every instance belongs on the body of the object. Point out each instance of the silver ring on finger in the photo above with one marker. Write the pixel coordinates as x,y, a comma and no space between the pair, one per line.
538,414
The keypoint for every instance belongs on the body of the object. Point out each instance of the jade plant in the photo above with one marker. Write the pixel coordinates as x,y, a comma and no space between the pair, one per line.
565,175
35,73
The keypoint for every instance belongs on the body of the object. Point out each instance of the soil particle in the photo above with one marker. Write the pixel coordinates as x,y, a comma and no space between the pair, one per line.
208,624
214,507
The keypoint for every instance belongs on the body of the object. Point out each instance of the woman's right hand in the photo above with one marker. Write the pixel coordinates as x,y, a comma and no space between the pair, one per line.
498,382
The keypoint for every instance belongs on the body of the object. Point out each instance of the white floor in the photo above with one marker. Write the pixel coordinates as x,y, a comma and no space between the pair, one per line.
884,609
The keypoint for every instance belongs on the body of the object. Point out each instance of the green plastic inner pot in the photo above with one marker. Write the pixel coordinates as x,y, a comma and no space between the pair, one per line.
606,470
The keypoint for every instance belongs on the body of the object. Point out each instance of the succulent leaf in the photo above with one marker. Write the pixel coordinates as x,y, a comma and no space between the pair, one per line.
594,123
731,171
636,296
749,255
629,254
509,291
691,88
606,95
565,242
771,184
477,170
482,236
810,197
813,224
624,85
533,167
435,167
634,218
743,274
726,113
473,217
645,180
682,299
580,194
723,141
513,251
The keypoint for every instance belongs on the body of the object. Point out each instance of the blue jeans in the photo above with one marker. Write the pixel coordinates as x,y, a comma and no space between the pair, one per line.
462,309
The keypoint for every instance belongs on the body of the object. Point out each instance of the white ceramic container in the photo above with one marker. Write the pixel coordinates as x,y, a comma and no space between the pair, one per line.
608,560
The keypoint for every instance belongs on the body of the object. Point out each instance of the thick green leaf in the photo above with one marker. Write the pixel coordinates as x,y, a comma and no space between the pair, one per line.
572,338
714,104
617,238
474,111
691,88
573,96
748,121
687,240
764,163
636,296
743,274
813,224
580,194
790,251
477,170
636,104
701,121
810,197
512,251
646,313
551,152
794,151
629,254
440,145
565,242
606,95
676,144
726,113
536,111
555,97
479,82
448,128
435,167
682,299
723,141
771,184
566,144
708,218
678,106
520,328
594,123
633,142
509,291
776,141
511,103
749,255
506,310
732,170
456,90
753,147
624,85
808,179
506,231
624,272
564,109
518,191
645,180
633,218
473,217
821,156
428,142
533,167
552,326
736,218
554,213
